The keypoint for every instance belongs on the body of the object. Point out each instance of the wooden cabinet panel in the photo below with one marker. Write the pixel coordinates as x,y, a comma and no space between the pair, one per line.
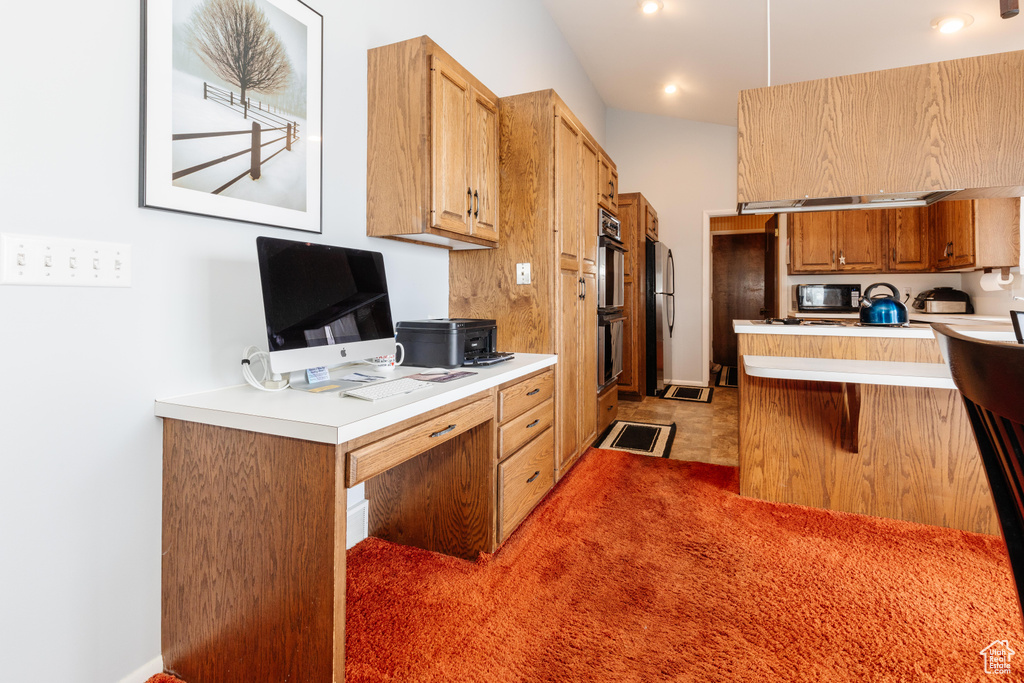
651,222
607,408
633,212
588,341
812,242
567,187
609,185
523,480
485,167
859,237
909,240
588,204
451,202
568,368
627,379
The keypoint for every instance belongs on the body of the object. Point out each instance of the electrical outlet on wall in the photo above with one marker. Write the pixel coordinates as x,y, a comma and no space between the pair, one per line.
37,260
906,293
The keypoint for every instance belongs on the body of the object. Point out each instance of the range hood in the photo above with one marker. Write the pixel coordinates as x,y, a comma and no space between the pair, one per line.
877,201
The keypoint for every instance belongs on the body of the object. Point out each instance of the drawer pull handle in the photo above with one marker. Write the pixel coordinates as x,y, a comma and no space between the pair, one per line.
535,475
533,424
535,391
443,431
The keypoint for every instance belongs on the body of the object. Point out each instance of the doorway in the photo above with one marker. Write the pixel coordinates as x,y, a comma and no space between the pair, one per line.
744,278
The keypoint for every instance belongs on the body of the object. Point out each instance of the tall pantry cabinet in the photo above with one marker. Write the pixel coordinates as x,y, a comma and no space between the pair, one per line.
548,202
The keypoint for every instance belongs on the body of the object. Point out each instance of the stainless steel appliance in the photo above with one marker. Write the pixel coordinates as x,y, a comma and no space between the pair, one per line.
611,260
826,298
661,314
943,300
609,347
610,226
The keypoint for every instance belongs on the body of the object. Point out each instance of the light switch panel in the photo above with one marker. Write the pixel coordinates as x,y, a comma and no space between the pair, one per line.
38,260
522,273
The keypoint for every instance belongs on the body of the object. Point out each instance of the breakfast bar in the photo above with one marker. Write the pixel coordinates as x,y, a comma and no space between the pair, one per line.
858,419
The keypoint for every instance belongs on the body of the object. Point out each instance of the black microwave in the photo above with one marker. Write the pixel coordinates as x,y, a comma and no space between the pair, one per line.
826,298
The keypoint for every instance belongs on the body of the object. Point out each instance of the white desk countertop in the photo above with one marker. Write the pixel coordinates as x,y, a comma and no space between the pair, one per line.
329,417
993,329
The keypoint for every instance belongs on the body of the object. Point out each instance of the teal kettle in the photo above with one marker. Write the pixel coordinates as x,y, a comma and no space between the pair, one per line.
881,309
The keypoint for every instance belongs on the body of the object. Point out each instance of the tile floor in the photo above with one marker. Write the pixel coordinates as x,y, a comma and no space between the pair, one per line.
705,432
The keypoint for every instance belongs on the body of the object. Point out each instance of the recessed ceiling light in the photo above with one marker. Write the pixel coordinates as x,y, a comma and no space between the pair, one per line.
952,23
650,6
671,89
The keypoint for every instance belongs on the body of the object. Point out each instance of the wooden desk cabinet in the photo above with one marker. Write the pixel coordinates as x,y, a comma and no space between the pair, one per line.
254,523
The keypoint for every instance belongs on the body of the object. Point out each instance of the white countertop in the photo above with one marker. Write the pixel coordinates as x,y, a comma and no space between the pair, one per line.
930,375
913,331
329,417
919,317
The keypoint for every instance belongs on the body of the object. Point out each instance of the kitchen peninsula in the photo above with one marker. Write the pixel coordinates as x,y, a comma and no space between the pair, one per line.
858,419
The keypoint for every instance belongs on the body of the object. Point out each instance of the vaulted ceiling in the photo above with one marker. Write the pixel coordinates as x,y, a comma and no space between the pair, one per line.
712,49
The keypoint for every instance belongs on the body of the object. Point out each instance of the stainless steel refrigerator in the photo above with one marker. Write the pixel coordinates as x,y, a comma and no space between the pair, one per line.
661,314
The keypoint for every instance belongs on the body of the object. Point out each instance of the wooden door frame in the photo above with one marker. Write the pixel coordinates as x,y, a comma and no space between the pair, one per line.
706,287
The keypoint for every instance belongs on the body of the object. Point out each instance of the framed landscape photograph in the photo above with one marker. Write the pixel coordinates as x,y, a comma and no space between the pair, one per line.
232,114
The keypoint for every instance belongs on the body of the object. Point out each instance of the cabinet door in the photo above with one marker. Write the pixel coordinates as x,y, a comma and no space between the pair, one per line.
485,167
567,189
859,240
909,240
962,234
627,379
568,368
812,242
589,226
607,189
614,199
451,197
954,233
587,400
651,221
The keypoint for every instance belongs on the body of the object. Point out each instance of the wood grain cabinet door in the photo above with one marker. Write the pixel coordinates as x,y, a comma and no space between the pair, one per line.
812,242
910,240
859,240
451,196
567,190
485,167
954,233
608,182
588,205
567,406
587,397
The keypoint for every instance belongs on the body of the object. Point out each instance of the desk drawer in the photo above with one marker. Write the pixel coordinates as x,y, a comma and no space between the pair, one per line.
372,459
515,433
523,480
524,395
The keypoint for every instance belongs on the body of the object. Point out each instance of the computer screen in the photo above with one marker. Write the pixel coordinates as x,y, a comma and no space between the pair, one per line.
324,305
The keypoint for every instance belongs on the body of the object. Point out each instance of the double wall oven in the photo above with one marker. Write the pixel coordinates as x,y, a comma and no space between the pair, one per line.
611,261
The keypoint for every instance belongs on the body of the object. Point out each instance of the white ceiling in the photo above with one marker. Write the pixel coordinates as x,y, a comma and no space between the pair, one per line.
712,49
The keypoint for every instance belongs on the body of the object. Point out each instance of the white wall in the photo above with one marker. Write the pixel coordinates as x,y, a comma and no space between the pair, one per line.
683,168
80,484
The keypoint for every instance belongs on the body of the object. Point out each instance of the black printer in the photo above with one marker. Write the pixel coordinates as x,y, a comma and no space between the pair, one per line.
449,342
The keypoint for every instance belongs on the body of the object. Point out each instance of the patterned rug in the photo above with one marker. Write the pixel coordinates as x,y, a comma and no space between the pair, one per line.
698,394
728,377
641,438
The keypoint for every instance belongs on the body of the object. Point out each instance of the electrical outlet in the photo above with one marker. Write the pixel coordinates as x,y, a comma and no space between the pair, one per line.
36,260
906,293
522,273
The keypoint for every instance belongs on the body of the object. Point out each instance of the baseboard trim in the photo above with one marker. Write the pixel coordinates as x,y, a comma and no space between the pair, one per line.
681,383
146,671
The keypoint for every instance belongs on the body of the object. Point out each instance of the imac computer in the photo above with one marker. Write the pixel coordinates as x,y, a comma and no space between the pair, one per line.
324,305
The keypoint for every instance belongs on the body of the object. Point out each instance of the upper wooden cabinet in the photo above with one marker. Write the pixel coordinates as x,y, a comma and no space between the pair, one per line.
608,185
942,126
650,221
976,233
432,149
949,235
837,241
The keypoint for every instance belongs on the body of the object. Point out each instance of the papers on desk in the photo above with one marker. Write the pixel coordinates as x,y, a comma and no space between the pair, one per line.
359,377
441,377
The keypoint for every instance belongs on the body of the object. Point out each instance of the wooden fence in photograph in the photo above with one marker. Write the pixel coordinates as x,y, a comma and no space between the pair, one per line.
255,150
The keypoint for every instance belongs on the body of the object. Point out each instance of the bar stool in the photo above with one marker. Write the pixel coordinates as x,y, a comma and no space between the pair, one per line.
990,378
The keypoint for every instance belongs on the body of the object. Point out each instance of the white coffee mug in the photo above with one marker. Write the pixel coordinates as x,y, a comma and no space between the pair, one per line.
387,363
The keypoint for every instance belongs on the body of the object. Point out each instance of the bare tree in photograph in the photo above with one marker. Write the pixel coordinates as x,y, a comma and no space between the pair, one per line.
234,39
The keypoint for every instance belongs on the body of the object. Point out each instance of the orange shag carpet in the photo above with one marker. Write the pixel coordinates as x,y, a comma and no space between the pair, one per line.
647,569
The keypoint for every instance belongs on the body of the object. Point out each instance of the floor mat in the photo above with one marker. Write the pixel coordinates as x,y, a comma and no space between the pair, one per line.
697,394
642,438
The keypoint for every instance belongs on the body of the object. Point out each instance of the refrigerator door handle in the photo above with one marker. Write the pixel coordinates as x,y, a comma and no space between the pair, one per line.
670,312
670,274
